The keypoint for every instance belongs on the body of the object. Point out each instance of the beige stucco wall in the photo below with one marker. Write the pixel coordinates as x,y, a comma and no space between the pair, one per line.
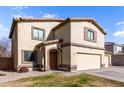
107,60
63,33
14,48
77,34
70,32
66,55
74,32
63,55
25,41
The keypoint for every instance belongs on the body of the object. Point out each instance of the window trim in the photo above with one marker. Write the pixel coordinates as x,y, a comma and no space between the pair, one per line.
34,38
86,29
90,39
22,57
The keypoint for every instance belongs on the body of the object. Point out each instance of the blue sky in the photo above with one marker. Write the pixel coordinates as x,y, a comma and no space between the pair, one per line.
111,19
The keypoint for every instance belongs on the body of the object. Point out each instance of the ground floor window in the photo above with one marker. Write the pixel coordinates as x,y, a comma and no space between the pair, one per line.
29,56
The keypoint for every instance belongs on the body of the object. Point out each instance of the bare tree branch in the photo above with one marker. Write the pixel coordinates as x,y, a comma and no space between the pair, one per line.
4,47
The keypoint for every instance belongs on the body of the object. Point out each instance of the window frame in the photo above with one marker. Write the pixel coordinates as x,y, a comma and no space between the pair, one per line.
37,38
90,38
28,62
86,30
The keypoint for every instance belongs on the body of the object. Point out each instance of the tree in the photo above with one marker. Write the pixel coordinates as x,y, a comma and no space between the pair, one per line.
5,47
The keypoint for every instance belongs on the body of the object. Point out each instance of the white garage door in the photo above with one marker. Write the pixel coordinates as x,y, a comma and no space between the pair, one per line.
106,61
88,61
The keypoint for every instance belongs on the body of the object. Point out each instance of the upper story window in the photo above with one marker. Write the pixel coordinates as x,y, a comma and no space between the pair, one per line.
37,33
90,34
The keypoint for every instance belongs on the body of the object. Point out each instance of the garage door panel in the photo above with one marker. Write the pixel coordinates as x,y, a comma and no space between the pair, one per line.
106,61
88,61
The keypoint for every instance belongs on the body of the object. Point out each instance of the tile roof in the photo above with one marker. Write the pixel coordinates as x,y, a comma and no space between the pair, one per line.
23,19
63,21
78,19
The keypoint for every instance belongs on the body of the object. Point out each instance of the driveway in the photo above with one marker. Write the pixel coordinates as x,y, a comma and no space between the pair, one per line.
114,73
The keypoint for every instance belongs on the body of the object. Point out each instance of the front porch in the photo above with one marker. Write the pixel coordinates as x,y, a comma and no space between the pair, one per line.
49,55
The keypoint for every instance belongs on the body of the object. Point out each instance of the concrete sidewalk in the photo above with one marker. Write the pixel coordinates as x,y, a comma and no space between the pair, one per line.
113,73
11,76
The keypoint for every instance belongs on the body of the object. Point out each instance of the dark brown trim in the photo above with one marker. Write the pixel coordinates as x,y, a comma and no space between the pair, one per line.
45,43
39,29
60,25
39,19
67,67
81,45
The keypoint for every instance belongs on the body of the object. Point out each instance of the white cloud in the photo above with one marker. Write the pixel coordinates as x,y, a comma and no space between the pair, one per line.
19,7
41,12
2,28
22,15
119,33
4,32
120,23
48,15
120,29
18,12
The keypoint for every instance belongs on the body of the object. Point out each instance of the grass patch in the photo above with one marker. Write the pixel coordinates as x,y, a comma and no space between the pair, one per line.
59,80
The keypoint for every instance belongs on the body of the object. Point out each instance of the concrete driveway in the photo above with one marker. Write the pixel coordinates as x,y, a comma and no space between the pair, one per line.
114,73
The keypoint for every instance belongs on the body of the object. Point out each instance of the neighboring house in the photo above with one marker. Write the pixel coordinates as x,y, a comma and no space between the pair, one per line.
117,53
72,44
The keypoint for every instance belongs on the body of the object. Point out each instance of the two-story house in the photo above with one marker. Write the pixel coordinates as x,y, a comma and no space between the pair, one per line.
71,44
117,53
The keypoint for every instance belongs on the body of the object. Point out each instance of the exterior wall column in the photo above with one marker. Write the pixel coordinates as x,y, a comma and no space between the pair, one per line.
46,61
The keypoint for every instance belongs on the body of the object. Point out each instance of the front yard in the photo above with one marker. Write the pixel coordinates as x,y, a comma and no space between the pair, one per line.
60,80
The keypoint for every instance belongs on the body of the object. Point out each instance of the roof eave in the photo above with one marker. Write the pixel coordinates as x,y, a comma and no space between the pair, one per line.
12,28
77,20
15,20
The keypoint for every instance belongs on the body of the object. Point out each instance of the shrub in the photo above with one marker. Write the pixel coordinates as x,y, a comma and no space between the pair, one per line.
1,74
84,79
23,70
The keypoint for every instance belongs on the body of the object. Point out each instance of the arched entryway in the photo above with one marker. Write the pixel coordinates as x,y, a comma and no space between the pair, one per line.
54,59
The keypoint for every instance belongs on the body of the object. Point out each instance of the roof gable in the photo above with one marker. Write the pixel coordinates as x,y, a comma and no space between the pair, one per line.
16,20
63,22
93,21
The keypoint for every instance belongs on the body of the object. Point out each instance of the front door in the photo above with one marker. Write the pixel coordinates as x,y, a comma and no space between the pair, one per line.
53,60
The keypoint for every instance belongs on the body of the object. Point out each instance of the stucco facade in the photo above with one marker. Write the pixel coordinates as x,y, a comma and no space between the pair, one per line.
63,42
